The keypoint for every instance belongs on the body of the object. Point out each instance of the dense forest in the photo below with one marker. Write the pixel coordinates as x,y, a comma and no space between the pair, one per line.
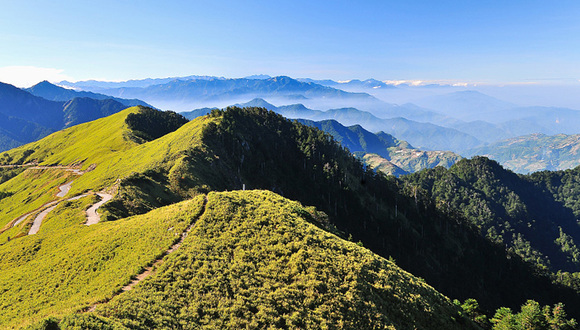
527,214
150,124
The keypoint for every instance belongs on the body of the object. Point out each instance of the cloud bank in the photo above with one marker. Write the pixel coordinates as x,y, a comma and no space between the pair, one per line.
26,76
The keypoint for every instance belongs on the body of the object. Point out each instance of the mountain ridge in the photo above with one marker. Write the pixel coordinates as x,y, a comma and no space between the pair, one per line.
27,117
53,92
402,156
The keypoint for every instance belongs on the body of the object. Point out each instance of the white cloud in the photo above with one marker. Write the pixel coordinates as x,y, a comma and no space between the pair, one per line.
440,82
408,82
26,76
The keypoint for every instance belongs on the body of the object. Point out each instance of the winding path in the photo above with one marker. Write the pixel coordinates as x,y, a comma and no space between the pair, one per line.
38,220
64,189
92,216
40,216
19,220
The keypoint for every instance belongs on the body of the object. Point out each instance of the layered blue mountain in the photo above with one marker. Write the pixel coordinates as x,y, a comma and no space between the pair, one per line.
466,105
17,103
25,117
96,85
422,135
354,83
53,92
356,138
436,120
491,119
187,94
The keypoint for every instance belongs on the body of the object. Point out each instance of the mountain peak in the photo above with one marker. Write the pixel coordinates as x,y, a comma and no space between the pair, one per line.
44,85
282,78
258,77
258,102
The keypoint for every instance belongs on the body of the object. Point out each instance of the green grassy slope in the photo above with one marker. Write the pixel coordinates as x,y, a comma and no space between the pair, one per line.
89,143
252,260
391,217
29,191
64,270
104,147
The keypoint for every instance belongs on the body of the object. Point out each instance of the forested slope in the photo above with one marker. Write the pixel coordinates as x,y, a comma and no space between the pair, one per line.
535,216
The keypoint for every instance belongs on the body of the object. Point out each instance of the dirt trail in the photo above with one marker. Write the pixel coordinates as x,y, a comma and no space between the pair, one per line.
158,262
92,216
19,220
64,189
45,167
38,219
47,208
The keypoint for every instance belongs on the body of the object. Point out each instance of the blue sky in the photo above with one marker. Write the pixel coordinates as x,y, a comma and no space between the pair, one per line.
473,41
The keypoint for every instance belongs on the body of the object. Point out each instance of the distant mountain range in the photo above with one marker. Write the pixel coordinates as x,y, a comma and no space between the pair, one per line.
25,117
536,152
458,121
465,105
354,83
490,119
180,94
95,85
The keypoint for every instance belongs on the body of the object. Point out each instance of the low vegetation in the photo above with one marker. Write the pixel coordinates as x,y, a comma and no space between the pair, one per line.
253,260
29,191
67,267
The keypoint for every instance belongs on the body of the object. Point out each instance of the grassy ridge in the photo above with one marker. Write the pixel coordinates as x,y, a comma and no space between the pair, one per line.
90,142
252,261
262,150
104,146
60,271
